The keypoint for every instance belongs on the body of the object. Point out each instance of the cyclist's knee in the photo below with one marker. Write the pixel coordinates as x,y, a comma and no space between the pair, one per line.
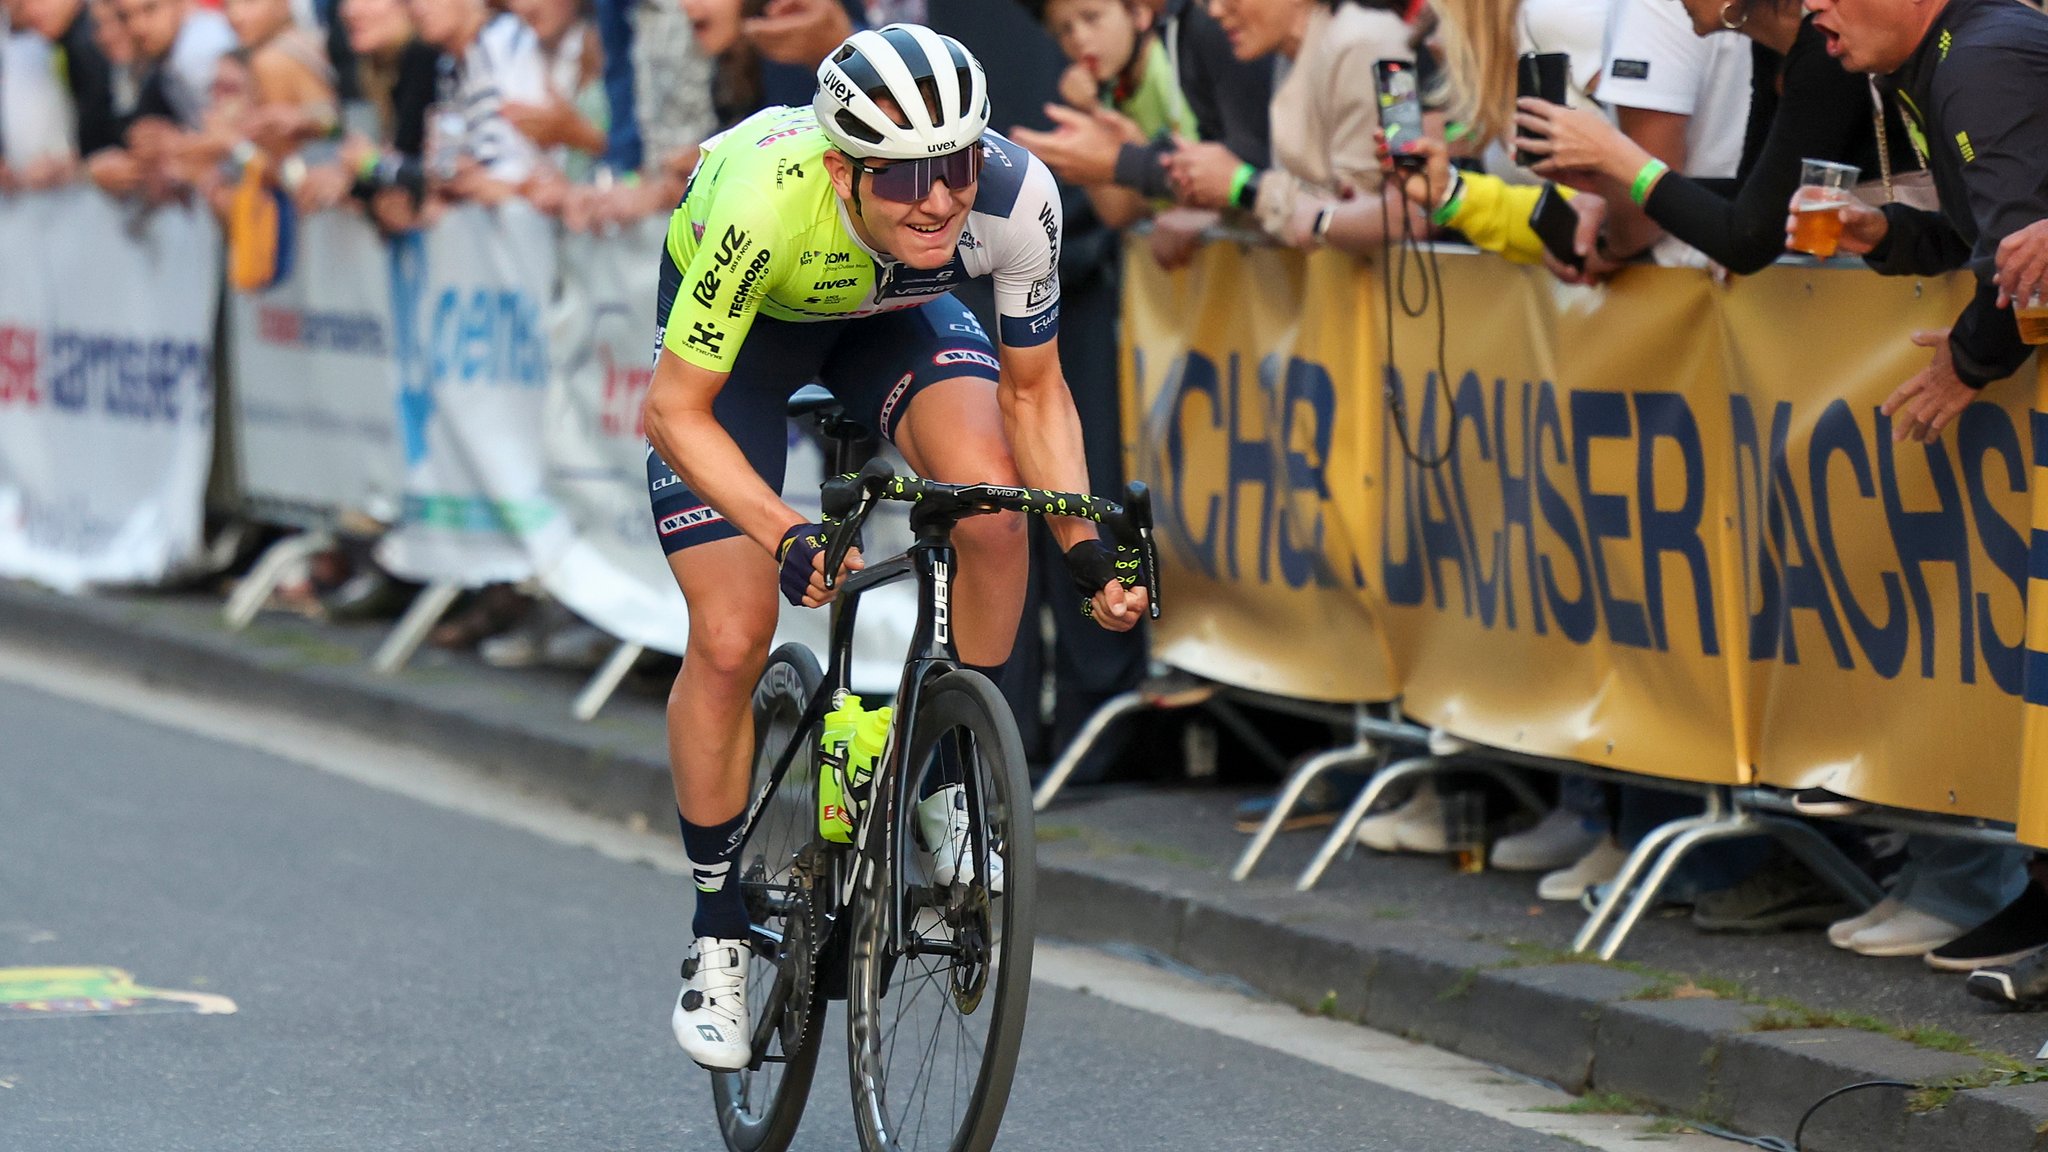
728,646
997,537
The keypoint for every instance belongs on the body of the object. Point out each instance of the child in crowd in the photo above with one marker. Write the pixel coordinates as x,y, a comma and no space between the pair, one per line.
1118,62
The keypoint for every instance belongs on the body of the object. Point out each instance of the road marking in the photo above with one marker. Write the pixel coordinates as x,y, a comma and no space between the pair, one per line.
1351,1049
40,993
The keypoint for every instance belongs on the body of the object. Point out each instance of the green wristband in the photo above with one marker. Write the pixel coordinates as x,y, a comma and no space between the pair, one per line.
367,170
1647,179
1444,212
1246,177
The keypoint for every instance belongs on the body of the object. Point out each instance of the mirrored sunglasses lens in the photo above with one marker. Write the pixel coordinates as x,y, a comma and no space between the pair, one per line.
905,182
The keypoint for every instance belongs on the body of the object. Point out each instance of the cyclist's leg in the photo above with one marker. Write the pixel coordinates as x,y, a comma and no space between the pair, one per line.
729,585
931,368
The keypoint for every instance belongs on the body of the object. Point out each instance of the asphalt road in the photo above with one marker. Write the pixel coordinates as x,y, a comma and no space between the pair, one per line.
407,976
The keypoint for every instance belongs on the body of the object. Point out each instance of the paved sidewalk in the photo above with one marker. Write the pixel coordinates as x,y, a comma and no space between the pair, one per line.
1471,963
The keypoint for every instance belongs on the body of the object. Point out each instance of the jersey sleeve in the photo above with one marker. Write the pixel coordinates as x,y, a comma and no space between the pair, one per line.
740,255
1027,271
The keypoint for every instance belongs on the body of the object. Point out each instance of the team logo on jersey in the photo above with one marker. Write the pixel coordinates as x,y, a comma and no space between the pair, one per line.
1051,223
785,134
834,285
900,280
991,150
1045,320
967,356
747,284
1042,289
688,518
708,337
787,168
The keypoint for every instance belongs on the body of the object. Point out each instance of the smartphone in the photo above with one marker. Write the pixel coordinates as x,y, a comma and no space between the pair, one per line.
1557,225
1400,111
1544,75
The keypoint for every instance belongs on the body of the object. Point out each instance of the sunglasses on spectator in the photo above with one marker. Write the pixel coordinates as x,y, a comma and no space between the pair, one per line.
909,181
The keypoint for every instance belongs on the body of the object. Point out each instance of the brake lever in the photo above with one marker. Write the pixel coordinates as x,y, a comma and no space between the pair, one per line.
867,486
1138,513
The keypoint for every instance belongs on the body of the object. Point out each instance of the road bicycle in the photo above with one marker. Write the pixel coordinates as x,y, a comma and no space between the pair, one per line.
935,977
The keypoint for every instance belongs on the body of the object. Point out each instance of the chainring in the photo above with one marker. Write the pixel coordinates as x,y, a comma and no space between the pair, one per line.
804,931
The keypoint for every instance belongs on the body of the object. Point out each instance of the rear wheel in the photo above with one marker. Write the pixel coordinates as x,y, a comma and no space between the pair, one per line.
759,1108
933,1025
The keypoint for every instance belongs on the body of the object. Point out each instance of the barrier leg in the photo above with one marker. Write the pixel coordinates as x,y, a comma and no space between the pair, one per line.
1736,827
1340,836
1229,717
268,572
1290,794
1638,860
426,610
606,680
1512,780
1819,853
1165,693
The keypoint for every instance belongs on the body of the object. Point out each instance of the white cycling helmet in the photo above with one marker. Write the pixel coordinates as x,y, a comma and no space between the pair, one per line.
909,64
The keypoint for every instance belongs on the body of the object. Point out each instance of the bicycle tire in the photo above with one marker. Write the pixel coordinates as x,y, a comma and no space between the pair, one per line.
759,1109
879,983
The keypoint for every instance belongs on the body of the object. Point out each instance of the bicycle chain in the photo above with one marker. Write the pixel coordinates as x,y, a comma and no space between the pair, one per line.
804,931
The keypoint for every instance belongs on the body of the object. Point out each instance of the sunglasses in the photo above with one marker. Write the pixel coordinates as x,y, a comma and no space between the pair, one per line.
909,181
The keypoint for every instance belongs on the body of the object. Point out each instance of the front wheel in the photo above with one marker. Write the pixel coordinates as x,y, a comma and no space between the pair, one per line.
777,869
934,1021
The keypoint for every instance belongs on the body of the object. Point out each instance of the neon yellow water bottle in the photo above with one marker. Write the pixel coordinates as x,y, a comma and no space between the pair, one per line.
835,812
865,751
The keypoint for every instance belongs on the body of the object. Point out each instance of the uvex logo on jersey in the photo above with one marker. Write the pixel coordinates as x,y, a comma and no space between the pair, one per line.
831,285
688,518
731,247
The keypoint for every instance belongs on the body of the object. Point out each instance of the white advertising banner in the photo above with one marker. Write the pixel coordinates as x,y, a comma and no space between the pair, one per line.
106,387
612,571
468,301
316,385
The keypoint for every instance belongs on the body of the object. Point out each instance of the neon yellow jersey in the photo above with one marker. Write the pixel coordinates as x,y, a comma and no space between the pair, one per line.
761,232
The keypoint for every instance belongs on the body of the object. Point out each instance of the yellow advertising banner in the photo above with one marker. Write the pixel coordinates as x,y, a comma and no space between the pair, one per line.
1885,593
1670,532
1558,584
1241,412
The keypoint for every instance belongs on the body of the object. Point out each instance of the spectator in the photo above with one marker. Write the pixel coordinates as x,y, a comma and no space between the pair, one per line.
36,124
394,78
1683,98
1323,186
118,45
88,79
736,88
294,81
1227,96
176,44
1481,42
1823,112
1117,64
570,122
486,60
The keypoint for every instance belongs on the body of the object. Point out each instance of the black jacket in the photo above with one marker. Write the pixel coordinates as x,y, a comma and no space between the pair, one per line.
91,82
1973,94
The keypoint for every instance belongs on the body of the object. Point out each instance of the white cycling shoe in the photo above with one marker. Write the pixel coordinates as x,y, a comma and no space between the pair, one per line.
942,832
710,1020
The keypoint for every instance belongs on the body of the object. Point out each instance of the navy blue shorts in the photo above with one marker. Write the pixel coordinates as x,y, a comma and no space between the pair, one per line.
873,364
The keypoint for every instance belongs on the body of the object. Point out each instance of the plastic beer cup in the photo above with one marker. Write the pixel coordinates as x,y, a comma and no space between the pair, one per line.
1816,216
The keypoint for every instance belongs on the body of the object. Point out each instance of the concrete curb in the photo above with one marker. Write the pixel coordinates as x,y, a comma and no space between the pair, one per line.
1584,1027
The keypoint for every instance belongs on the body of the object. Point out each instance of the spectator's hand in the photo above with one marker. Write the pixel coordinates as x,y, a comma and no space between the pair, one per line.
1592,213
277,128
393,210
799,32
324,187
1201,173
1581,143
1933,398
48,171
552,123
114,170
546,190
1426,186
1863,227
2023,265
1079,89
1177,234
472,183
1082,146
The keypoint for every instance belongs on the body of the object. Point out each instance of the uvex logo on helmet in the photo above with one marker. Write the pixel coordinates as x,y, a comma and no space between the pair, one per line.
926,94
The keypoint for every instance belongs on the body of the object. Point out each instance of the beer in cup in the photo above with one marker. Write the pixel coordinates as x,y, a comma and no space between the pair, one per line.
2033,319
1824,190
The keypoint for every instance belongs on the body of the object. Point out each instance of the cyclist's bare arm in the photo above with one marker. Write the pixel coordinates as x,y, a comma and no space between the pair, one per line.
682,427
1044,432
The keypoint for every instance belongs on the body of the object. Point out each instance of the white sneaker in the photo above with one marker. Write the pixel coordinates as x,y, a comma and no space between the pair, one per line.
1597,866
1416,826
1910,933
1840,932
710,1020
1559,839
942,831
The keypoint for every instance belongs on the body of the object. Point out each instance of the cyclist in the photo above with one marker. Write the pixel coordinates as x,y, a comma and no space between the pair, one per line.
823,243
